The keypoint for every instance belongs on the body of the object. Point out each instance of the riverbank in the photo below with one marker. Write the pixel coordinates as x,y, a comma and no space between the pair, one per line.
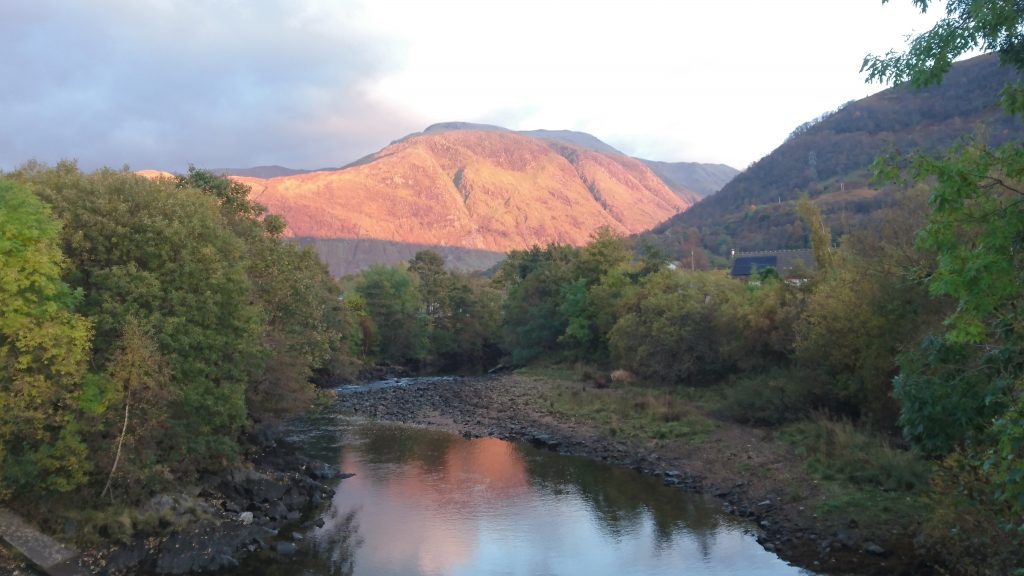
261,506
753,472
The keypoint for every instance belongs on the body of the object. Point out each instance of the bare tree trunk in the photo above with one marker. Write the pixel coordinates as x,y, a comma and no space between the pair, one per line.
120,443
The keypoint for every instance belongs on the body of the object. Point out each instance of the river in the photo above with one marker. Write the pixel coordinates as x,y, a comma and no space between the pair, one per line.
424,502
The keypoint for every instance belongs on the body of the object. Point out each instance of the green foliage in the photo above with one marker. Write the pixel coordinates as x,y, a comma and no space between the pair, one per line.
975,228
871,307
393,303
967,523
771,398
534,281
296,296
44,347
821,236
968,25
579,332
141,378
461,315
146,250
233,197
679,328
949,393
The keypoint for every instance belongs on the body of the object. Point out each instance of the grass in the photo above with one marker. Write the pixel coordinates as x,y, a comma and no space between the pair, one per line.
861,476
629,412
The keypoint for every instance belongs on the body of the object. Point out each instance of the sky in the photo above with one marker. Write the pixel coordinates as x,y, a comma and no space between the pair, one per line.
318,83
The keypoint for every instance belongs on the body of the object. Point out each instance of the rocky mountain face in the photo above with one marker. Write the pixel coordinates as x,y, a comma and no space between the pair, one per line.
476,190
691,181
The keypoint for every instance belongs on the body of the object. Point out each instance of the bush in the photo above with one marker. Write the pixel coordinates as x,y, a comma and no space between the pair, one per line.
769,399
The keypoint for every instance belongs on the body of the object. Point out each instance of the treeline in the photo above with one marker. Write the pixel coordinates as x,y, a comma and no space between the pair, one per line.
781,349
423,317
144,324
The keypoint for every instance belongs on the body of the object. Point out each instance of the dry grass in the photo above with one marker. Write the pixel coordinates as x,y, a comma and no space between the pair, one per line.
630,412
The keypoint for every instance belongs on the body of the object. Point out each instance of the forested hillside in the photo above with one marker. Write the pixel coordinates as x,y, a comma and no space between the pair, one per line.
829,159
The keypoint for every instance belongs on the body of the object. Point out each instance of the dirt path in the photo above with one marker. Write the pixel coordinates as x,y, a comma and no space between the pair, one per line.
752,474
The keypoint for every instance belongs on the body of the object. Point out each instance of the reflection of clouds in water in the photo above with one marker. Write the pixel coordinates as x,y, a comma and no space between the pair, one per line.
430,505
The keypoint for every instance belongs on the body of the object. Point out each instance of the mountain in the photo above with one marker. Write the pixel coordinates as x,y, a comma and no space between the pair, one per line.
581,139
474,192
693,181
829,159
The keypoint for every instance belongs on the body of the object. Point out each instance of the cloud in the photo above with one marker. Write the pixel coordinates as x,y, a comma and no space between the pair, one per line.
316,83
161,84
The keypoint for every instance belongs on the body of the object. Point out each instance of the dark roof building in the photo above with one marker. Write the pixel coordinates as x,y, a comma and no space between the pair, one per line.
783,261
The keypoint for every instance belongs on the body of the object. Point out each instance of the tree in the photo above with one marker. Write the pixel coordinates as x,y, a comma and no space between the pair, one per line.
975,227
145,249
44,347
968,25
141,373
535,282
679,328
298,299
392,301
821,236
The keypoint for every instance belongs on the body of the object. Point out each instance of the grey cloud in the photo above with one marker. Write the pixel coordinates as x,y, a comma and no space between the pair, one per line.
161,84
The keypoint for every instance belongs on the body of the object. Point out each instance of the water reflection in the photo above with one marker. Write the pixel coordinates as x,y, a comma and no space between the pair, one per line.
424,502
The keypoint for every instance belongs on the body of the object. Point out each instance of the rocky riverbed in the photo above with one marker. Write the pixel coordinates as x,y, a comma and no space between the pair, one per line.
750,476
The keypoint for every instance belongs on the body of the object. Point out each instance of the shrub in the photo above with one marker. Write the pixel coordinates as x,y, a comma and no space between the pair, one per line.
770,399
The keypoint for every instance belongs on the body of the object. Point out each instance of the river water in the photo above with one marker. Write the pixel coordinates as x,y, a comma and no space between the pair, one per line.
424,502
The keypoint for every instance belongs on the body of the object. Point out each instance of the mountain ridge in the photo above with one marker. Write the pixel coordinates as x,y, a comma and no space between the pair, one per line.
489,191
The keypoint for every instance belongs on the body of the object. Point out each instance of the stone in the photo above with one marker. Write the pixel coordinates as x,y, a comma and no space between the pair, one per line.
277,511
849,537
245,518
286,548
874,549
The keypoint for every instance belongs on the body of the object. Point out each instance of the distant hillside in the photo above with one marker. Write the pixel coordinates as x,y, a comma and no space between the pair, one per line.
829,160
581,139
273,171
485,191
701,179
